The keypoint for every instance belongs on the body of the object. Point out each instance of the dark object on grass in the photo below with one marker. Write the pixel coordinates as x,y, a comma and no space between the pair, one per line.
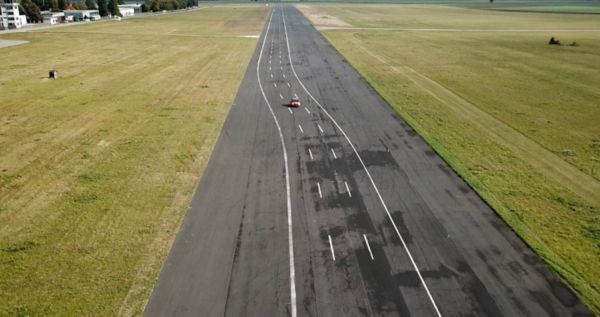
554,41
574,44
53,74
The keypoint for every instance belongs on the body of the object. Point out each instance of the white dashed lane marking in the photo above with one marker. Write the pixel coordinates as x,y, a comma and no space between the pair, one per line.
368,246
319,189
331,246
348,189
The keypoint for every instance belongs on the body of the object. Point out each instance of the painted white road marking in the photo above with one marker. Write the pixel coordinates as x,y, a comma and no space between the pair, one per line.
414,264
281,96
299,126
274,84
271,75
293,307
331,246
310,154
368,246
320,129
319,188
290,110
289,86
307,110
283,75
348,189
333,152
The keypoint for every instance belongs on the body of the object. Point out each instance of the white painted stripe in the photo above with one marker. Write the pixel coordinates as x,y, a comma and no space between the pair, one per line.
271,75
275,85
320,129
307,110
333,152
290,110
368,246
287,183
319,188
331,246
289,86
310,154
299,126
414,264
348,189
283,75
281,96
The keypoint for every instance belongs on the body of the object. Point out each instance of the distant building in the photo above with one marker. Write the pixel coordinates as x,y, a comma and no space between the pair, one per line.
137,7
53,17
82,15
9,15
126,11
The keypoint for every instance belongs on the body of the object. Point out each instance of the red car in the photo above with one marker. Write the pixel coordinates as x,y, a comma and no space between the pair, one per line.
295,102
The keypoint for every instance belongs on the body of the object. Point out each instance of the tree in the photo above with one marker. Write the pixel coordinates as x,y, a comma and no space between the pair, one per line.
80,5
102,8
154,6
54,5
31,10
113,7
91,4
121,1
62,5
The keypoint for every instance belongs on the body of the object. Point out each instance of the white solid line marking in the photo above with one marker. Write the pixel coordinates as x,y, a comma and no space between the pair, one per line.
414,264
281,96
348,189
320,129
307,110
310,154
293,307
290,110
319,188
368,246
331,246
334,156
299,126
274,84
289,85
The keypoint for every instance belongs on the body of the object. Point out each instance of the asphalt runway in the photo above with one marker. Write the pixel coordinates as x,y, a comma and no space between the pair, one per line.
338,208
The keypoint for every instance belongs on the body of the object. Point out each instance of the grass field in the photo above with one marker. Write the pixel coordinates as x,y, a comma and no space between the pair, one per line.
517,118
585,9
98,167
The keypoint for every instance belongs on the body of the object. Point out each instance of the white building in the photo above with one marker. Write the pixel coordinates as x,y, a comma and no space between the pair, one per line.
126,11
53,17
82,15
137,7
9,15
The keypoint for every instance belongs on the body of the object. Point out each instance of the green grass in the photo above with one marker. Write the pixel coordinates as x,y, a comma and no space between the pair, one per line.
586,9
98,167
515,117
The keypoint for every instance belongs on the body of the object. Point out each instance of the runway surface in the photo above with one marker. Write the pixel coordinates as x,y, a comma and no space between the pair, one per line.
338,208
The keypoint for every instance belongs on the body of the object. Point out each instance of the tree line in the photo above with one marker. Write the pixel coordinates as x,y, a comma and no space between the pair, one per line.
33,8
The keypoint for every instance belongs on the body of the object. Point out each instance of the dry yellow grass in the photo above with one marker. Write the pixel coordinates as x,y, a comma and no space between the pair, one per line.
97,168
